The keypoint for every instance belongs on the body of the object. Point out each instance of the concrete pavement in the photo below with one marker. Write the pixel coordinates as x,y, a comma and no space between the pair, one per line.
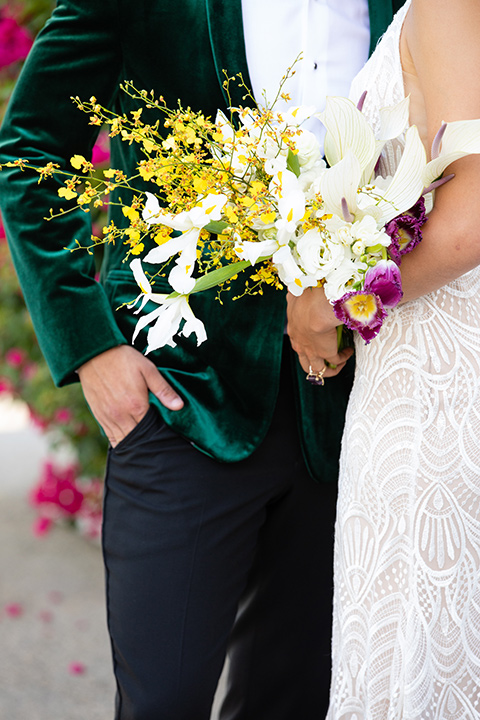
54,648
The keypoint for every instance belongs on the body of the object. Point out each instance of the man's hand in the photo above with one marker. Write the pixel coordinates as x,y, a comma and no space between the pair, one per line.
116,384
312,327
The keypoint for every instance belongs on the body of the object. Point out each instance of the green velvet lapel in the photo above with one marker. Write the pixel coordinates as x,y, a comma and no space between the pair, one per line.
381,12
228,44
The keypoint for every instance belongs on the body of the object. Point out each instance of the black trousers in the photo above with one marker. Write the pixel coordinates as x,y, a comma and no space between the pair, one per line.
201,556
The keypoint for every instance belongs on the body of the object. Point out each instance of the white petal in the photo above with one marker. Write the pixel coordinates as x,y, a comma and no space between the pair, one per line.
152,209
146,320
341,181
224,127
180,277
394,120
163,252
192,324
166,327
251,251
347,130
407,183
140,277
153,214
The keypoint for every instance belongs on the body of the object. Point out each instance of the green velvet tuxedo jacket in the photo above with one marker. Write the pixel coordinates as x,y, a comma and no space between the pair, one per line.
178,48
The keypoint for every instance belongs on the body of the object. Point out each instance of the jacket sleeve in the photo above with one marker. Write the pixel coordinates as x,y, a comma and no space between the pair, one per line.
76,54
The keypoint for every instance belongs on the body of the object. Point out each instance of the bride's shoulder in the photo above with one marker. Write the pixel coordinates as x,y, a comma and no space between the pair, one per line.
443,23
442,38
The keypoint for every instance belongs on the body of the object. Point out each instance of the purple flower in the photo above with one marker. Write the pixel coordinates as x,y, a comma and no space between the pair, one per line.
384,280
361,311
406,230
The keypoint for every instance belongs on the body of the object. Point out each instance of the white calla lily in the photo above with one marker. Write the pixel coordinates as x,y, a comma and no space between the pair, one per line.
461,138
408,182
347,131
341,181
393,123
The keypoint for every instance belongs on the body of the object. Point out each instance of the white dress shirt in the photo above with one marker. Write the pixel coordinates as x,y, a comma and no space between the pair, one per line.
332,35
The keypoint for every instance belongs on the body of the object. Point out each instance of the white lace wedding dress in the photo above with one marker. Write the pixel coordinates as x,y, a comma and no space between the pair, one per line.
406,637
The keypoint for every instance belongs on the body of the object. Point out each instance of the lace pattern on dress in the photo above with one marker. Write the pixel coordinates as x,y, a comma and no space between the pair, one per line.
406,637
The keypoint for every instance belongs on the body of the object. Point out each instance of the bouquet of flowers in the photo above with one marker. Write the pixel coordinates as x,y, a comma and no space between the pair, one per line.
254,190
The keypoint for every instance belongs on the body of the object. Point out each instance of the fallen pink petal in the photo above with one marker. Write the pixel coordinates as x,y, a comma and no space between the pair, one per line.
14,610
77,668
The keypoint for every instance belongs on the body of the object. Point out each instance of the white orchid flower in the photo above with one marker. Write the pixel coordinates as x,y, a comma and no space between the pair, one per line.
167,318
142,282
295,116
290,203
252,251
290,273
224,127
189,223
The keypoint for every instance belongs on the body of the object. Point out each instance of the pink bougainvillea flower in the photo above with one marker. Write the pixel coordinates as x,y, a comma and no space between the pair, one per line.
406,230
5,386
29,371
63,415
14,610
57,488
15,357
15,41
37,421
101,150
2,232
77,668
385,280
361,311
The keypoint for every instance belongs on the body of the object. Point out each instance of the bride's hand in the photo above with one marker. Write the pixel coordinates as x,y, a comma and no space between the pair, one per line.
312,327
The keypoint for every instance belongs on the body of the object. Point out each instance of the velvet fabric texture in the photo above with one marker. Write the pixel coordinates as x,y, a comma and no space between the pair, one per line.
179,48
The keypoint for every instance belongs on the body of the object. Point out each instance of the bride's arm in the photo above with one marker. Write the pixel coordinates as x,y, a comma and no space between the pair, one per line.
443,39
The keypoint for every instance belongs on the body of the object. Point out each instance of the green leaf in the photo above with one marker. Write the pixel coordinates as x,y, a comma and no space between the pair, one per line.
219,276
292,163
216,227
